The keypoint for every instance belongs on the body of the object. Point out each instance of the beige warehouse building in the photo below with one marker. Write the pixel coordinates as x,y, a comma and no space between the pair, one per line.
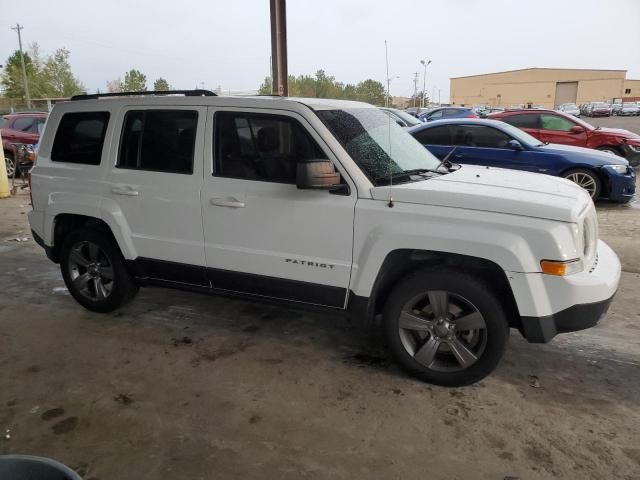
543,86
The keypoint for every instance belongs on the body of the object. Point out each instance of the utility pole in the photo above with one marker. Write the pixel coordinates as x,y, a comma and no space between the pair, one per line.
17,28
280,74
415,88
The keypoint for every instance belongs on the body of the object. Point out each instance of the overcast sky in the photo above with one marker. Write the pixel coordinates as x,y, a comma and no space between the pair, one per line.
227,43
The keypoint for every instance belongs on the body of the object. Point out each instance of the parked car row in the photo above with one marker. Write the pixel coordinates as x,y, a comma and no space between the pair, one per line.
498,144
19,129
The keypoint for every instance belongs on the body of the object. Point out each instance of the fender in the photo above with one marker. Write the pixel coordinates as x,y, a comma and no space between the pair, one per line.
514,243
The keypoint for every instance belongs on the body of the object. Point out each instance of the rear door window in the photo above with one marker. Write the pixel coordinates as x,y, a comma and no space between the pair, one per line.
435,115
80,137
479,136
434,136
158,140
23,124
525,120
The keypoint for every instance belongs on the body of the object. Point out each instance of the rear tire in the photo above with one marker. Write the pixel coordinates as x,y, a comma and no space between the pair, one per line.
10,163
95,272
586,179
445,327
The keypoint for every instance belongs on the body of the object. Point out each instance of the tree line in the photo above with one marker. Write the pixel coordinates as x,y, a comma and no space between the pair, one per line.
324,86
51,76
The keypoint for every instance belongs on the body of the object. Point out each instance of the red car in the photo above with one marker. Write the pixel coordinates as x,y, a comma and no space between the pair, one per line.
17,128
550,126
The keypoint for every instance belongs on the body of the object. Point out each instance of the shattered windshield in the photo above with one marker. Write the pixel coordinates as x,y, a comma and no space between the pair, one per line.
379,146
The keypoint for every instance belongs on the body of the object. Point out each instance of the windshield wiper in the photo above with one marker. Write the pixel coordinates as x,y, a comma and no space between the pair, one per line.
445,161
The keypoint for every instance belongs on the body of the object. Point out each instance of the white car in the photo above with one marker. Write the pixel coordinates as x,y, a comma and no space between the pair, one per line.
322,203
570,109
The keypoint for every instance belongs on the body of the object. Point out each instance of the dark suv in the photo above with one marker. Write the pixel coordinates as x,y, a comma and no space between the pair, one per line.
19,128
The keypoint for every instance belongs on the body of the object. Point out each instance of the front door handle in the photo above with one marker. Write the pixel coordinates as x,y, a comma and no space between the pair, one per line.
124,191
226,202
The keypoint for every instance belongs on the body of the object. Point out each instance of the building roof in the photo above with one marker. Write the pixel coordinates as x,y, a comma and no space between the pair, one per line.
542,68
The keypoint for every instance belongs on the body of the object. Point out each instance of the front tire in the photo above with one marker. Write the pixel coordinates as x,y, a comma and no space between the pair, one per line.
445,327
94,271
586,179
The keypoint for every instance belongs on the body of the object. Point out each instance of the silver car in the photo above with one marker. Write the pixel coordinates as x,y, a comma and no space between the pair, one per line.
570,109
627,109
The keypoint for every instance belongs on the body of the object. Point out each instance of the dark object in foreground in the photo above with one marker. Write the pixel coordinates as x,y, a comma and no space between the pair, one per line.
27,467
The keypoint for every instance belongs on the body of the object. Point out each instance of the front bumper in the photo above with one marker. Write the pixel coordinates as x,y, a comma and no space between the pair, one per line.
632,156
550,305
622,187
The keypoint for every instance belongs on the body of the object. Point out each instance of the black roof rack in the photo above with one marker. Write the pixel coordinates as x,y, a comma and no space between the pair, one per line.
186,93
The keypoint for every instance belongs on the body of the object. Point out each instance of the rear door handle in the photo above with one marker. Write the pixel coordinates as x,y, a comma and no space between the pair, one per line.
226,202
124,191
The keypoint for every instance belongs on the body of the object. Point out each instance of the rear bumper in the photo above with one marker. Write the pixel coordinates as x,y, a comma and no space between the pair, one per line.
47,249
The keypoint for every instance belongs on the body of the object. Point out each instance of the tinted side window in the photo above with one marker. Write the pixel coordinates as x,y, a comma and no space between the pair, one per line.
479,136
526,120
451,112
554,122
80,137
434,136
435,115
261,147
158,140
23,124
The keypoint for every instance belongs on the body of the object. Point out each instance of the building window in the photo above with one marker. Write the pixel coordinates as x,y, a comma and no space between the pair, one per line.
627,91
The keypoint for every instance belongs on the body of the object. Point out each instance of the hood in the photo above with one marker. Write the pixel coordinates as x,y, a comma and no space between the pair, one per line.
618,132
494,190
594,157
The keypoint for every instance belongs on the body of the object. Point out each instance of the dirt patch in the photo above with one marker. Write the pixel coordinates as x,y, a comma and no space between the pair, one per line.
52,413
65,426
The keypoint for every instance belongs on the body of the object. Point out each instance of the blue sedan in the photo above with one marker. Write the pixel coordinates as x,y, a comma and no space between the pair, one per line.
497,144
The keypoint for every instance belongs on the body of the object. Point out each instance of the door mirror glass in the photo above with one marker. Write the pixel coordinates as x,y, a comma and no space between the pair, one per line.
576,129
317,174
515,145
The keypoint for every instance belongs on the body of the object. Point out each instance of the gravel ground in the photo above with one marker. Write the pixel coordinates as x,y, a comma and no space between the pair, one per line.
180,385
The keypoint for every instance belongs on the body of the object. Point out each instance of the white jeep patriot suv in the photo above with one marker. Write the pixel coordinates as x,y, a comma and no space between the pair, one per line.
317,202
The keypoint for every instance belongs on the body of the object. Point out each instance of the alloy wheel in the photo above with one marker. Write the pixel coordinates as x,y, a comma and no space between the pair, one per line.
442,331
11,166
91,271
584,180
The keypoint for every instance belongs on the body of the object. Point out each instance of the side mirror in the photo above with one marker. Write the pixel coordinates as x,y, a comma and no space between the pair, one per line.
401,123
576,129
317,174
515,145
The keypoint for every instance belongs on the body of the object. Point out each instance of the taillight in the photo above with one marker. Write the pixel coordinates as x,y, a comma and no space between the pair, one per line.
472,115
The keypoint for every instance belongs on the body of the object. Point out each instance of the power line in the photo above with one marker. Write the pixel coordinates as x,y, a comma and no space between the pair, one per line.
17,28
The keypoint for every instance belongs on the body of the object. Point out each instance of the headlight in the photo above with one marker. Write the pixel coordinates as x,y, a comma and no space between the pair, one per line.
634,148
561,268
617,168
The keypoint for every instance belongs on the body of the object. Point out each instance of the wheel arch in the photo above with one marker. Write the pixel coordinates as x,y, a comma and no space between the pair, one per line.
65,223
604,180
399,263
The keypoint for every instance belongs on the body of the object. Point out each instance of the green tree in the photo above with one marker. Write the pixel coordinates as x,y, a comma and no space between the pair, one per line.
134,81
12,79
57,79
265,87
371,91
161,85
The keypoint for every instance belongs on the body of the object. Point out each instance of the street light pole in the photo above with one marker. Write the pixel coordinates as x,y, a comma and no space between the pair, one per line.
424,80
17,28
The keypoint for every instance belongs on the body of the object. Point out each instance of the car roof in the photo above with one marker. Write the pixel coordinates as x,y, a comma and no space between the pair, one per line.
457,121
256,101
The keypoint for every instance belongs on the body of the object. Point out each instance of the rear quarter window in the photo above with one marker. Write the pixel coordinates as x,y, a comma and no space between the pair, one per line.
80,137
